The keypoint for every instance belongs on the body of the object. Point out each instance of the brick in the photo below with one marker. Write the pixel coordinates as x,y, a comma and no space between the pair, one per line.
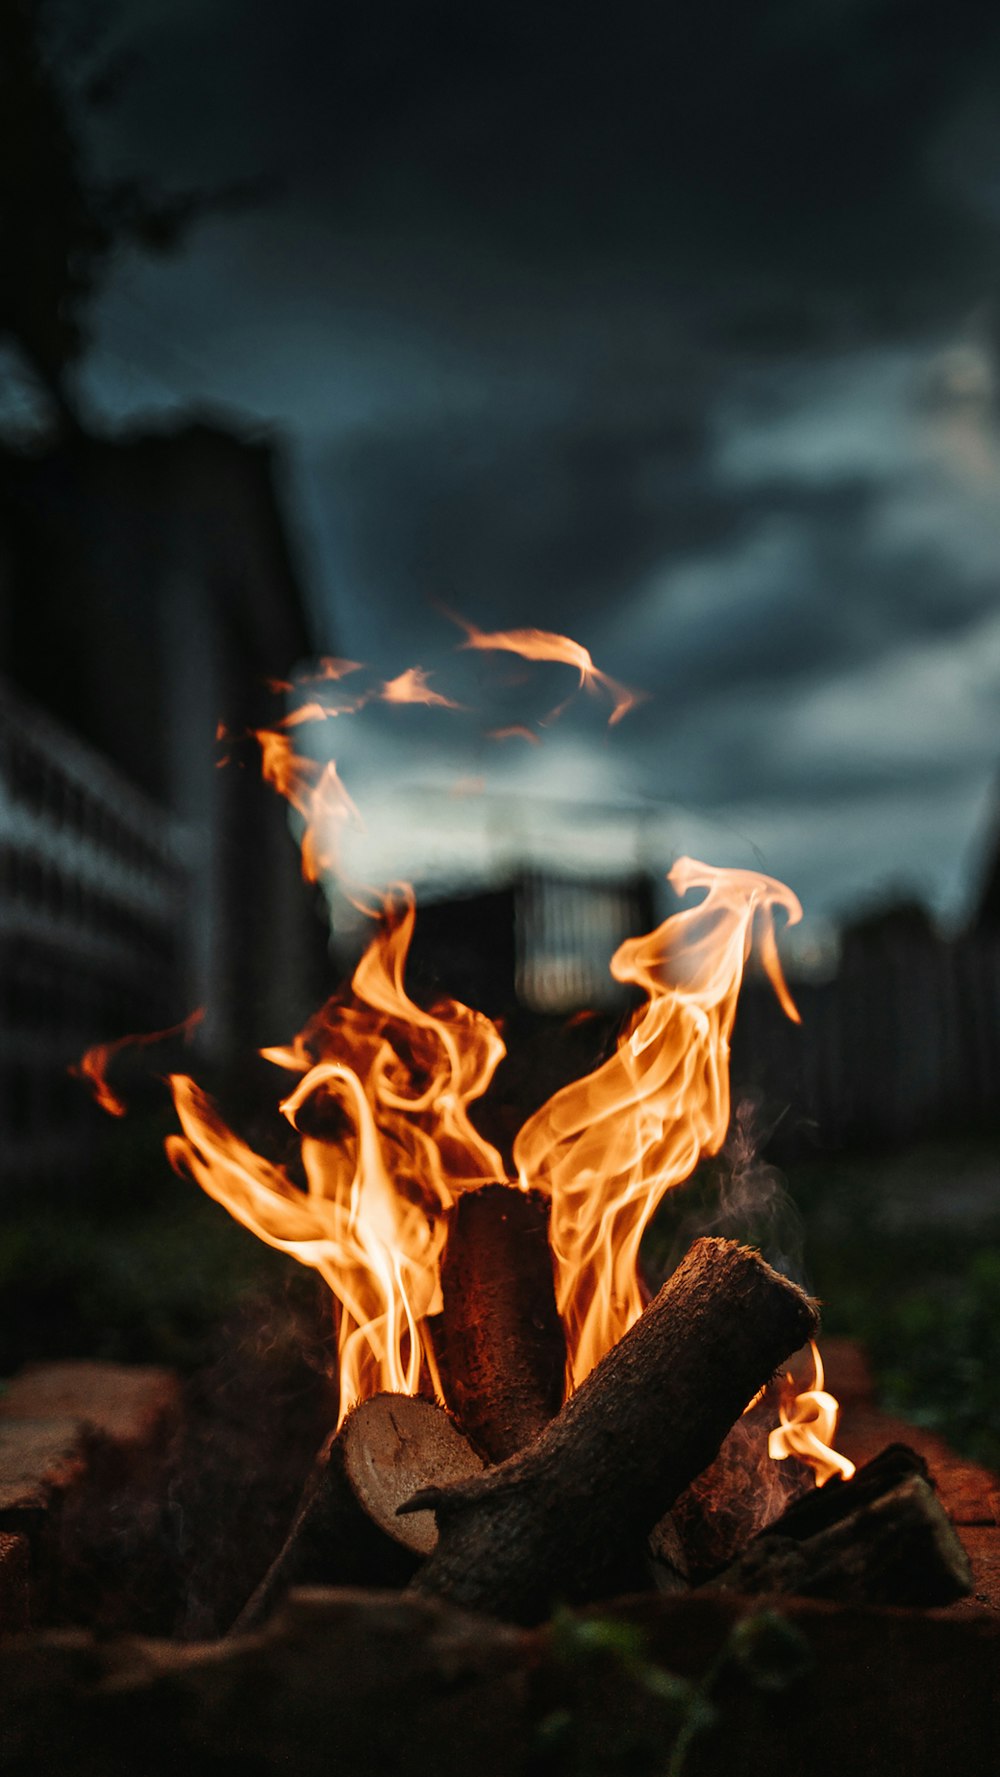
400,1684
81,1449
847,1371
15,1604
40,1461
131,1406
982,1542
968,1491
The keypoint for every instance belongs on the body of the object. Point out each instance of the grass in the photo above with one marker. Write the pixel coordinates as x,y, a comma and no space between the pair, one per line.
904,1253
917,1285
136,1266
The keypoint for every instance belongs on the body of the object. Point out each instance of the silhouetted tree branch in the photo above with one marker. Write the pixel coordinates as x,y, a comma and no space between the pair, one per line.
61,225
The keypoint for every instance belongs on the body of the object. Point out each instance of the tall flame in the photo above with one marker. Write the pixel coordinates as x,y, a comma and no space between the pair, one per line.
382,1100
387,1145
606,1148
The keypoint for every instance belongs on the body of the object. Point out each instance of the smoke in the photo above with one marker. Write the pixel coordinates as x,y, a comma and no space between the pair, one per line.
738,1195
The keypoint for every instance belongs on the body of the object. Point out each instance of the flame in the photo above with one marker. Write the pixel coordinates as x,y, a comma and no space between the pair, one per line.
329,668
606,1148
545,645
515,731
383,1090
313,711
413,687
386,1147
93,1066
316,792
808,1424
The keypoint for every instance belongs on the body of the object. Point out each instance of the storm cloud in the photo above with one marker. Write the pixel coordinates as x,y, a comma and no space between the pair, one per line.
670,328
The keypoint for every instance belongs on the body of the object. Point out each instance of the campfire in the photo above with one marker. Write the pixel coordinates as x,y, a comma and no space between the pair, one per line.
522,1423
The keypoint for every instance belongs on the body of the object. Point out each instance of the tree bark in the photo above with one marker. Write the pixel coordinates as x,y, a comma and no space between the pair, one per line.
346,1529
567,1518
501,1347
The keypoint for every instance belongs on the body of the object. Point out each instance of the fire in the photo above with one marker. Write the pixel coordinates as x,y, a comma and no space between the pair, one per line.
808,1424
413,686
387,1144
316,792
544,645
94,1065
607,1148
515,731
384,1090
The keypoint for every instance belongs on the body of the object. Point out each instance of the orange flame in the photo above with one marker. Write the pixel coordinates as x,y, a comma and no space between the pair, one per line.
382,1101
515,731
413,687
316,792
545,645
607,1148
93,1066
808,1424
330,668
387,1146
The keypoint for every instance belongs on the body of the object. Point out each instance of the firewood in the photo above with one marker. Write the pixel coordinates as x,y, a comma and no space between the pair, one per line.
737,1496
501,1347
346,1529
824,1506
567,1518
882,1538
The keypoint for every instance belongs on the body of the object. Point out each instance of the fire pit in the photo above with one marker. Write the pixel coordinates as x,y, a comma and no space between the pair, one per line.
520,1428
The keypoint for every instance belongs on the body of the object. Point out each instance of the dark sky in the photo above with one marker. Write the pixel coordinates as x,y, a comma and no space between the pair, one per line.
672,327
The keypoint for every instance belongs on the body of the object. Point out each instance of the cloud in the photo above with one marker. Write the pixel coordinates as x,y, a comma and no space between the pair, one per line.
667,338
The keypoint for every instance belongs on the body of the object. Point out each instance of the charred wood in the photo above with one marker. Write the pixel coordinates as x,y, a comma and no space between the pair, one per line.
736,1497
567,1518
824,1506
882,1538
346,1529
501,1348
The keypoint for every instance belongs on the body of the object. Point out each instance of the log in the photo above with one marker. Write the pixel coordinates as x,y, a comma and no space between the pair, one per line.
346,1529
882,1538
737,1496
824,1506
566,1519
500,1343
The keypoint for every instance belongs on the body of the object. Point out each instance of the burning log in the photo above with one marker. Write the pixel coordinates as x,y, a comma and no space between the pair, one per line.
346,1529
882,1538
566,1519
501,1348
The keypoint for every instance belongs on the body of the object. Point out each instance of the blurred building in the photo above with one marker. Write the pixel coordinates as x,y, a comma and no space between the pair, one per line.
542,943
147,591
901,1043
92,901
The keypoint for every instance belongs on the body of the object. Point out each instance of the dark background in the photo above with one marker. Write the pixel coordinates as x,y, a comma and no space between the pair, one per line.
672,328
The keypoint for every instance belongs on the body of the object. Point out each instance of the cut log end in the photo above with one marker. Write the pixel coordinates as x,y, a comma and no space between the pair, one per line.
347,1529
390,1441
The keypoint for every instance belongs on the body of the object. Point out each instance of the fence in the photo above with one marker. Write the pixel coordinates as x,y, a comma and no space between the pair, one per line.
904,1042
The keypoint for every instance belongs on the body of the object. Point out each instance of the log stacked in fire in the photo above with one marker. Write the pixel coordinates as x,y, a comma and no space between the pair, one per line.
401,1492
